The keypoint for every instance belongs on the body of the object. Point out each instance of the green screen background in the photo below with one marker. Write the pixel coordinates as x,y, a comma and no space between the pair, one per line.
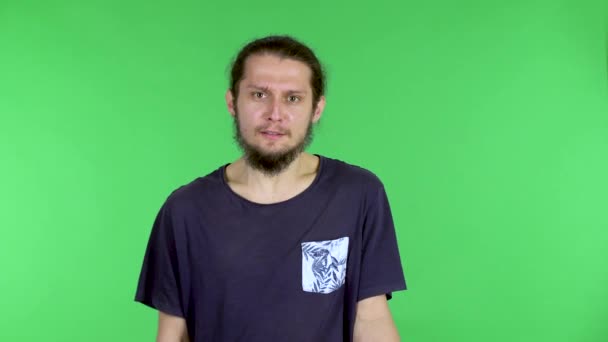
486,120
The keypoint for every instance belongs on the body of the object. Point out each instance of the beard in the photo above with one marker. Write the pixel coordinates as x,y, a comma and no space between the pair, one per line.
270,163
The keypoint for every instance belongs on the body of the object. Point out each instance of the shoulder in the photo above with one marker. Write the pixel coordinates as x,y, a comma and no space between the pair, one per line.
195,191
346,173
356,182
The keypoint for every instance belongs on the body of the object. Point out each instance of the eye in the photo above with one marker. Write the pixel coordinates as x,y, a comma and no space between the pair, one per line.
258,94
293,98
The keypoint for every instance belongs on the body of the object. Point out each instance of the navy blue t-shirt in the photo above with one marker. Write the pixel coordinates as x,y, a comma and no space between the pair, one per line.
289,271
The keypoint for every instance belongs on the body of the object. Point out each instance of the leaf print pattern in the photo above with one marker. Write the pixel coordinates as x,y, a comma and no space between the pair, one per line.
324,265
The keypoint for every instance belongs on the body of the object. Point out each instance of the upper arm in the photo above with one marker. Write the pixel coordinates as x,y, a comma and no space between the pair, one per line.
373,321
171,328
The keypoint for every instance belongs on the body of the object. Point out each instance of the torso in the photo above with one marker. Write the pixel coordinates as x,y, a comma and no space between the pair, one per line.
289,271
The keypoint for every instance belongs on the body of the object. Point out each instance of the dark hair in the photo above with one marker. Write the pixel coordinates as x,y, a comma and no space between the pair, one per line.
283,47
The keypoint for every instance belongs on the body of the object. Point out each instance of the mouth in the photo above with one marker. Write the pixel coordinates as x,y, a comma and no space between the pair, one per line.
272,134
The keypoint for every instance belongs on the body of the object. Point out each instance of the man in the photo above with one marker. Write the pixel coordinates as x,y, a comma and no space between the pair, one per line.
280,245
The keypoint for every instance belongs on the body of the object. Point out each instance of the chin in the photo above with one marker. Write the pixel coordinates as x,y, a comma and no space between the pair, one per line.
273,151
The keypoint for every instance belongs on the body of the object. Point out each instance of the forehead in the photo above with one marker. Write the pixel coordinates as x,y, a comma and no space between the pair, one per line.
272,71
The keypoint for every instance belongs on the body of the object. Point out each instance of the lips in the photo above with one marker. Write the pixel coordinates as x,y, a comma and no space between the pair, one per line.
272,134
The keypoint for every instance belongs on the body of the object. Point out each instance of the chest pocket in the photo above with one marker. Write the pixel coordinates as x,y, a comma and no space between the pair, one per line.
324,265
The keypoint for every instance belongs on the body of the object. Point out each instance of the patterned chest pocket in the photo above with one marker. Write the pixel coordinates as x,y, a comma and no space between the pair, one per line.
324,265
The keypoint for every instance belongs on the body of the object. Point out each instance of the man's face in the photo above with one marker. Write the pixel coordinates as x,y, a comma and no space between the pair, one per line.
273,113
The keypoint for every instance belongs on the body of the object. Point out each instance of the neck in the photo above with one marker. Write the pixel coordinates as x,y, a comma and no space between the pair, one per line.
255,181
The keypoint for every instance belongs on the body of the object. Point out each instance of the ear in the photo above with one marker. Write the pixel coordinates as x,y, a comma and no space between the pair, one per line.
230,102
319,110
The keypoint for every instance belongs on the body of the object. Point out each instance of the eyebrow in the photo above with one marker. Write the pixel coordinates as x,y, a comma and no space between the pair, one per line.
265,88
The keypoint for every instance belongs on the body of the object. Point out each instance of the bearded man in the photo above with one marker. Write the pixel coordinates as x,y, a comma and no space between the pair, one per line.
281,244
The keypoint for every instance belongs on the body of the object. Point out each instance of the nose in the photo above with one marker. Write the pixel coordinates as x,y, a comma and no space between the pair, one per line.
275,112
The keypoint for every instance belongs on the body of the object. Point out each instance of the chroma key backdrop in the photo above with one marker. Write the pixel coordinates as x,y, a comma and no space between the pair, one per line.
487,121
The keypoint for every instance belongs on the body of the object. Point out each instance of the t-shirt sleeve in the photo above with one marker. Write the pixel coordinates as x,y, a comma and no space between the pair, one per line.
159,280
381,269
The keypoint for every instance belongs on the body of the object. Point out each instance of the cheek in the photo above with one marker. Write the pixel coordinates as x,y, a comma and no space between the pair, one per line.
246,124
295,116
250,111
304,118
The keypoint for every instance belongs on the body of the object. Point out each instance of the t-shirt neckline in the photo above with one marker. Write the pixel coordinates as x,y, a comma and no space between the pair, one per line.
308,189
